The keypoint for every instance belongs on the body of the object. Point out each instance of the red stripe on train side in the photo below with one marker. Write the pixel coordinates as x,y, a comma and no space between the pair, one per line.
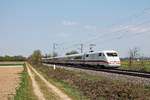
88,61
96,61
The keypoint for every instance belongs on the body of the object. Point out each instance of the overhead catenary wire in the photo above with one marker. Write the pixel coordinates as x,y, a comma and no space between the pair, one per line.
141,13
105,36
114,34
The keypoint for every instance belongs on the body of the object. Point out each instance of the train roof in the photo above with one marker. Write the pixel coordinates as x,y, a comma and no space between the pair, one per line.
81,54
104,51
73,55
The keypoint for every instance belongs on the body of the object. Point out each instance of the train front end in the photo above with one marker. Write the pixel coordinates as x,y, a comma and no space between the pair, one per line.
112,59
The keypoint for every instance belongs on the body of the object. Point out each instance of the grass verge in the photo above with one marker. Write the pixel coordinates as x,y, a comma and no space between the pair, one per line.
67,88
25,91
48,94
81,86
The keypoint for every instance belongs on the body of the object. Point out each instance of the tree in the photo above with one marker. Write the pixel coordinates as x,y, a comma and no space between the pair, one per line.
72,52
142,60
133,54
12,58
36,57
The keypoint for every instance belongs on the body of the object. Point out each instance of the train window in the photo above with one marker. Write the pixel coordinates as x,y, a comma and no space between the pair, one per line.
100,54
87,55
78,57
112,54
103,54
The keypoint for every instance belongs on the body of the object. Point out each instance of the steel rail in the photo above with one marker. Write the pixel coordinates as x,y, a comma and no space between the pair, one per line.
110,70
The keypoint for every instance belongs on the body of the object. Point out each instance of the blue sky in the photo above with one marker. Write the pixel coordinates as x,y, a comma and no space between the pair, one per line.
27,25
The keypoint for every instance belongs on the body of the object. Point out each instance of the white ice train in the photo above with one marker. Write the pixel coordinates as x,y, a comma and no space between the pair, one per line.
106,58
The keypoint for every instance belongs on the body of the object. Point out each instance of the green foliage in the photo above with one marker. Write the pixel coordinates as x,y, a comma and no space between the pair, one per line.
72,52
12,58
36,57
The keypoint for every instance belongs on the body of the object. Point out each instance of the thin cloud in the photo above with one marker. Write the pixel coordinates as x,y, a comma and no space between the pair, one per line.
69,23
135,29
63,35
90,27
132,28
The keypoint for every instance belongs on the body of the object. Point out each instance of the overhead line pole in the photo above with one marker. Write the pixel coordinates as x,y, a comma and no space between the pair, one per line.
54,47
91,47
81,48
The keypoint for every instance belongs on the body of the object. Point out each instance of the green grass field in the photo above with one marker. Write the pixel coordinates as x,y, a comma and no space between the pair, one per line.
136,65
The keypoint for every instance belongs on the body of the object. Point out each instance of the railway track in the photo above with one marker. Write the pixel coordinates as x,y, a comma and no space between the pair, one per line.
127,72
116,71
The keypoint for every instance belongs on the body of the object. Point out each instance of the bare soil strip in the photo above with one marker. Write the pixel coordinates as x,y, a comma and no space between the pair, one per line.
9,81
36,88
57,91
11,62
